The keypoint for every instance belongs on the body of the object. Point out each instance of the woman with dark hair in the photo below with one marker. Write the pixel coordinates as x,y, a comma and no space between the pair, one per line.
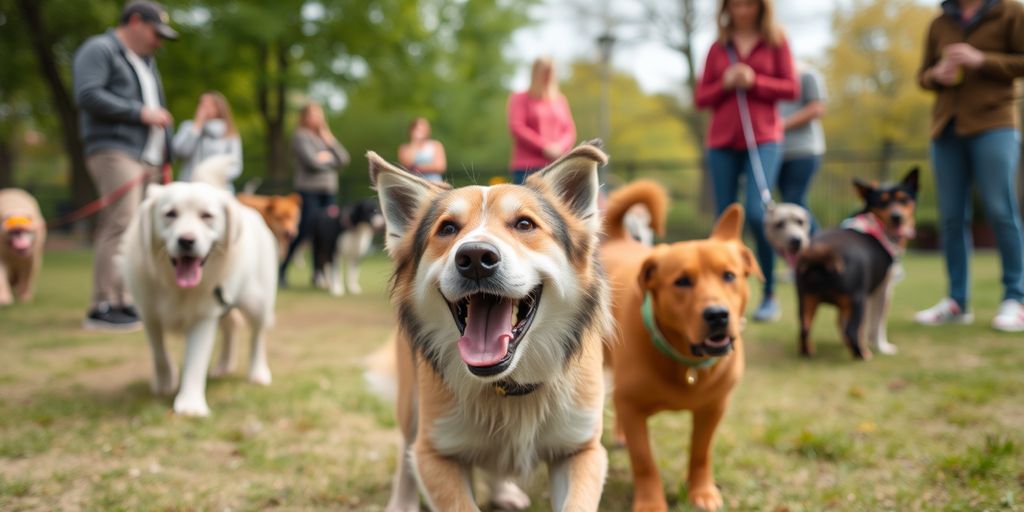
423,155
973,53
210,132
540,122
751,55
318,158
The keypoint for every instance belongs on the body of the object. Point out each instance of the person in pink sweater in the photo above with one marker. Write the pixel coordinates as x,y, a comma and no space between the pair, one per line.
540,123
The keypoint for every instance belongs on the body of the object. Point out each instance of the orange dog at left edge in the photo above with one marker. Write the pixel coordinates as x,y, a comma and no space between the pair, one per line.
679,309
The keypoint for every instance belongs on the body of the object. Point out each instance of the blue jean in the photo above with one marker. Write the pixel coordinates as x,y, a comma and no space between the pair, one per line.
989,161
726,166
794,181
519,175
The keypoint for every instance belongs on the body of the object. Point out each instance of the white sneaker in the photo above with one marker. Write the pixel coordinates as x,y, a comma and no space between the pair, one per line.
1010,317
947,311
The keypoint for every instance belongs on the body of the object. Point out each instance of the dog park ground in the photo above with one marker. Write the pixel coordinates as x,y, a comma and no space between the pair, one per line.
940,426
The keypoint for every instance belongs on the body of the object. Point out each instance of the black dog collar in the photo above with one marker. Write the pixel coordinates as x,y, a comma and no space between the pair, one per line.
512,388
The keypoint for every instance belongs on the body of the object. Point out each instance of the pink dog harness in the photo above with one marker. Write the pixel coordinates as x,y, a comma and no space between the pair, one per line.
870,225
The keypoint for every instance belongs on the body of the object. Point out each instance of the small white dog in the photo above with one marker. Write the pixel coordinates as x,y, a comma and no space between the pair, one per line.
787,226
191,256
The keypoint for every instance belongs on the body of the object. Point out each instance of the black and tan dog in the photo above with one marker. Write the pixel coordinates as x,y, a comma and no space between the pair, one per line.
502,311
856,266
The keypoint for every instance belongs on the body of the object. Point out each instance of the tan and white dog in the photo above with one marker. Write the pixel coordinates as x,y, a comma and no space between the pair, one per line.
502,310
22,236
192,255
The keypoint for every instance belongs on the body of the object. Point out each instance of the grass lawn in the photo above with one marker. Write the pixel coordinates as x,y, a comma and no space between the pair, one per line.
938,427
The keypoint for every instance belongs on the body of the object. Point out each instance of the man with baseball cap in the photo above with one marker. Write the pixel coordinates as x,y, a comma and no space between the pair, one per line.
126,130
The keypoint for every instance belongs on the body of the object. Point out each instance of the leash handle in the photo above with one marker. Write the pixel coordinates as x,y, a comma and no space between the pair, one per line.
760,178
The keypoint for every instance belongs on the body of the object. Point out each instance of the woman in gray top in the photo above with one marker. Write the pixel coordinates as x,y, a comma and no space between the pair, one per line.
318,157
210,132
804,143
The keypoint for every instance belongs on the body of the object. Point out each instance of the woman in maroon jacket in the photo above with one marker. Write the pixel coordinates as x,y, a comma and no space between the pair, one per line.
761,65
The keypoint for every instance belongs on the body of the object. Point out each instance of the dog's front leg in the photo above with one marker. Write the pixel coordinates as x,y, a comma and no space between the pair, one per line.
163,368
648,495
444,482
229,324
191,399
701,481
577,481
5,287
878,312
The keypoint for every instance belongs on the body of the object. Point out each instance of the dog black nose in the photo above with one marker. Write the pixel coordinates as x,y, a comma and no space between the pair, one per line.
795,243
477,260
897,218
186,243
717,317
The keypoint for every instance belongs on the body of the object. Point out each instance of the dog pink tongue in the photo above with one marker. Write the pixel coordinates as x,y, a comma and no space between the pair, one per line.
21,242
790,258
488,332
188,272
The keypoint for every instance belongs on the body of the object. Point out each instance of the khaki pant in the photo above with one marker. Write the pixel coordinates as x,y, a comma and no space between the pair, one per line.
109,170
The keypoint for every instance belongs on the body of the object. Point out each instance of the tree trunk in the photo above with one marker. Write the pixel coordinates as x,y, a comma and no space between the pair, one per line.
274,115
42,45
7,157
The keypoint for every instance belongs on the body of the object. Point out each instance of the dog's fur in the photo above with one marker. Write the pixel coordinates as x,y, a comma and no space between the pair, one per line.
450,410
854,272
281,213
699,292
22,236
637,209
196,224
341,238
787,226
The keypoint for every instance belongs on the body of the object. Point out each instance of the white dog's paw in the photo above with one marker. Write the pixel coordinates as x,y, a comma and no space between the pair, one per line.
221,370
884,347
354,289
260,376
408,507
337,291
191,406
508,496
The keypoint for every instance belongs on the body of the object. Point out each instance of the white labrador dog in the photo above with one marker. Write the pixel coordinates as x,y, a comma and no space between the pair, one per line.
191,256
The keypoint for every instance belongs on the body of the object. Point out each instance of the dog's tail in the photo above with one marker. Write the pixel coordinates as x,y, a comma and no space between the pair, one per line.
646,193
381,373
215,171
818,264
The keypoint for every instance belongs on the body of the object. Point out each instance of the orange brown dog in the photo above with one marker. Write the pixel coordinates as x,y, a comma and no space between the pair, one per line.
22,236
679,309
502,311
281,213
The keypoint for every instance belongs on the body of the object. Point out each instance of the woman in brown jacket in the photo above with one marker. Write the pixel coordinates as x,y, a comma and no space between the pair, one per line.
973,54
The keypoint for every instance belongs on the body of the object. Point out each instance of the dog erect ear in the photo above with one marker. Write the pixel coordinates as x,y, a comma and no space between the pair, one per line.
730,225
750,265
911,179
864,189
401,194
573,178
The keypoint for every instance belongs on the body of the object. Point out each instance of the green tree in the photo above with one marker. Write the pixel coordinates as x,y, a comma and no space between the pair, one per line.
870,70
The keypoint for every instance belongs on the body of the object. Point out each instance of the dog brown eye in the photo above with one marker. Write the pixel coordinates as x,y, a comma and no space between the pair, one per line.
171,214
684,282
524,224
729,277
206,216
448,228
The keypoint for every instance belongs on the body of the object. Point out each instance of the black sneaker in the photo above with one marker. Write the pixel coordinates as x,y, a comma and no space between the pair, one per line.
129,311
106,318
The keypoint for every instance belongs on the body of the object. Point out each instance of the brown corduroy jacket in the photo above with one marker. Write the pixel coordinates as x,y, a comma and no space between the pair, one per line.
984,99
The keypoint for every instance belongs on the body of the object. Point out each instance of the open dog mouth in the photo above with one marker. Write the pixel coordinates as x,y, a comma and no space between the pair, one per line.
491,327
188,270
716,344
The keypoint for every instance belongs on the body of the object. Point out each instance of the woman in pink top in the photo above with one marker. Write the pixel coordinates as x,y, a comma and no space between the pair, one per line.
540,122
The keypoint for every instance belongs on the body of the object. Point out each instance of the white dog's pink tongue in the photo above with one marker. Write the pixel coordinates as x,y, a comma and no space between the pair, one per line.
21,241
488,332
188,272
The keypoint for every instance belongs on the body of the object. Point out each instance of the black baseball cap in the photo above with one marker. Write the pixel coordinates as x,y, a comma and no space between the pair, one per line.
154,14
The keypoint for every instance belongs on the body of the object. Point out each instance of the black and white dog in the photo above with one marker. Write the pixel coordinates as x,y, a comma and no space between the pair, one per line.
342,236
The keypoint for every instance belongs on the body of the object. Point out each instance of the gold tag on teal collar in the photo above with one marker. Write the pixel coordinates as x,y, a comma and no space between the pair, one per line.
691,376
